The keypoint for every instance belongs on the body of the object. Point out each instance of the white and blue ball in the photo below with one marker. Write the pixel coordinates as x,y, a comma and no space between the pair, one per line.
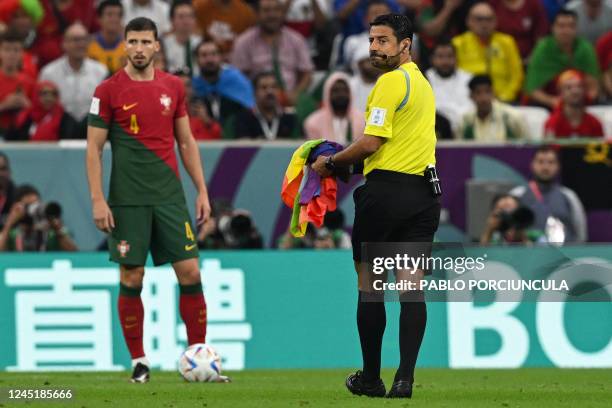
200,363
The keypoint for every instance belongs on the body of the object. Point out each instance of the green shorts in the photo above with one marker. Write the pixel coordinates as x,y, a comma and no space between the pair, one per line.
164,229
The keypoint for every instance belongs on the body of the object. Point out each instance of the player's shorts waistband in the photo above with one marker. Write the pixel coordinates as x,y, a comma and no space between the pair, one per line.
395,177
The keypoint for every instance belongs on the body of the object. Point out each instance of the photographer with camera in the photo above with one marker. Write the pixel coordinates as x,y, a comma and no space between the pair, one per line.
32,225
509,223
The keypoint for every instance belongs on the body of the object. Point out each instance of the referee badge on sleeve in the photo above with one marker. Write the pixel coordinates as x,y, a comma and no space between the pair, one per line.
377,117
94,109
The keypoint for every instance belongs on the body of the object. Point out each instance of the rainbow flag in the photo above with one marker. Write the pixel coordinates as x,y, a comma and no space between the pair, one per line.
296,176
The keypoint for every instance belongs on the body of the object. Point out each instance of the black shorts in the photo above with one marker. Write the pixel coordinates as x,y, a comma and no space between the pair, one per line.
394,207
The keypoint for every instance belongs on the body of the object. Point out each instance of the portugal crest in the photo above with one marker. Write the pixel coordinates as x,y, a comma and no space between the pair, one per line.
123,247
166,101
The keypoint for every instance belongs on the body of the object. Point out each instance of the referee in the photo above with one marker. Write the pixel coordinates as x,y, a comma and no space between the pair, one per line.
399,201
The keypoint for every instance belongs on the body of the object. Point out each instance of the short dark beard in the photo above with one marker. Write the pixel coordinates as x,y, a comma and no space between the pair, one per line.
209,74
445,74
143,67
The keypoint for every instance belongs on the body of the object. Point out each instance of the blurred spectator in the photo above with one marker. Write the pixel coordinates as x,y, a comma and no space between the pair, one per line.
106,46
570,118
356,42
203,127
510,223
594,17
313,19
16,88
337,120
363,79
223,20
8,8
22,21
524,20
34,226
335,224
306,16
156,10
557,209
239,231
444,129
76,76
267,120
482,50
7,188
489,120
554,54
272,47
180,44
44,120
444,18
58,16
446,79
604,54
224,89
352,14
209,235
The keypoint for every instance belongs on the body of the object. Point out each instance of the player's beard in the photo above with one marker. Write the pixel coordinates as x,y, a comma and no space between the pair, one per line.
141,65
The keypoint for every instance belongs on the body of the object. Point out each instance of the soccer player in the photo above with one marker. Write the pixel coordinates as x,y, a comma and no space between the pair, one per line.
142,111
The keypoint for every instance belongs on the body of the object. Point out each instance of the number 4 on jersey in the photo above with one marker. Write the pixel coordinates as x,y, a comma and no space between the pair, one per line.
134,124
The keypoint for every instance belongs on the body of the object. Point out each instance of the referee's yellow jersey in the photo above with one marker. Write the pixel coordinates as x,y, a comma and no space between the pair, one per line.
401,108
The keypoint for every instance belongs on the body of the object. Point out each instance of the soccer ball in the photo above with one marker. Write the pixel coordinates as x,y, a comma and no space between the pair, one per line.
200,363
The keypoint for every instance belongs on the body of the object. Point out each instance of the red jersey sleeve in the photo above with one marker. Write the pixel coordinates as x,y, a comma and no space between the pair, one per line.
181,106
100,112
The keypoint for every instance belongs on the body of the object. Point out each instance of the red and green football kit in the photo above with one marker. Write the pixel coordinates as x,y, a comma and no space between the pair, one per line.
146,195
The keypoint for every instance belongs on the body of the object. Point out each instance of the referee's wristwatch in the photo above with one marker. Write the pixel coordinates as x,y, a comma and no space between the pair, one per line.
329,163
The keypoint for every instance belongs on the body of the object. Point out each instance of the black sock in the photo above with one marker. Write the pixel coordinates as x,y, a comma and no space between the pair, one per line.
371,321
413,317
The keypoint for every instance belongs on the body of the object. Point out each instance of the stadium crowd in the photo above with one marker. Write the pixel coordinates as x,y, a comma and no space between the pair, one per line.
291,69
299,69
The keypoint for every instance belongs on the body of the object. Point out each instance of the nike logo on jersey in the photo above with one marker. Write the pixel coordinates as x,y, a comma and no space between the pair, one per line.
128,107
189,247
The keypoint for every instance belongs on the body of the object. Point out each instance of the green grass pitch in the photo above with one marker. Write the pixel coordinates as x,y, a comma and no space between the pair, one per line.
323,388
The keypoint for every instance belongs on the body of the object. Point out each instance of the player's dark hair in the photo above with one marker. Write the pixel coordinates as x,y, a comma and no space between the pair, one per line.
108,3
176,4
400,24
478,80
24,190
141,24
261,76
565,12
11,36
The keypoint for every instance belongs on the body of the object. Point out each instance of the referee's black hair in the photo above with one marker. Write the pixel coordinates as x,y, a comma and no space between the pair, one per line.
141,24
108,3
400,24
478,80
